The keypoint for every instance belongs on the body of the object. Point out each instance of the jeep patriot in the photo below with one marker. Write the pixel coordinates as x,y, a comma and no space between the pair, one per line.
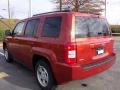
61,46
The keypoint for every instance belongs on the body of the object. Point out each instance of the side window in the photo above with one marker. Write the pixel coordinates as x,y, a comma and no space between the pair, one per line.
19,29
31,27
52,27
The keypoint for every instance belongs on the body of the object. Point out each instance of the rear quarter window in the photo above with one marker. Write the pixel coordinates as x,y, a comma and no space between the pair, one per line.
52,26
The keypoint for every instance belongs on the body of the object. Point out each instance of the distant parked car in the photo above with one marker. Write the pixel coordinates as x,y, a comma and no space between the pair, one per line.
61,46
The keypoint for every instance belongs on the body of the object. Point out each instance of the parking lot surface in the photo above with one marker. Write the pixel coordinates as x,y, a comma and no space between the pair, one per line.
16,77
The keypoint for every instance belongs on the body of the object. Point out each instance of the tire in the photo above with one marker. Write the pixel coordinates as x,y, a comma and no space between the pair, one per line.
44,76
8,57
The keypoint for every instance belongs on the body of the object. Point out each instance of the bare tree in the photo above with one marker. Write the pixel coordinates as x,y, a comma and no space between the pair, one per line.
89,6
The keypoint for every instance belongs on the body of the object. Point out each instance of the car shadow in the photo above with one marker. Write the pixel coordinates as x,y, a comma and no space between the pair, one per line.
17,76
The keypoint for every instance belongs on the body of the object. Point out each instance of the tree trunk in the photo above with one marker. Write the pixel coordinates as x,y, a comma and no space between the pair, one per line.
77,5
60,5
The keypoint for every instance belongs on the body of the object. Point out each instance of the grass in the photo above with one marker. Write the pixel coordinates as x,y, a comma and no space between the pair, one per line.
1,35
6,24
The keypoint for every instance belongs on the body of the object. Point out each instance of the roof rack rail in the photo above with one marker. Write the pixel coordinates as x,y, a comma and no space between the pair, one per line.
90,12
52,12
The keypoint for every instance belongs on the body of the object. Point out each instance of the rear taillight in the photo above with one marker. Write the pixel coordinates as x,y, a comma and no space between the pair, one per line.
70,53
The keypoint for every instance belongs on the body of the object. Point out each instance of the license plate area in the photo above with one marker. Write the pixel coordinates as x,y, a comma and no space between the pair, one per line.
100,51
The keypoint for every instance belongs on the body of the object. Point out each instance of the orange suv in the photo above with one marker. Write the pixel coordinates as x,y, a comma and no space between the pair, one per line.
61,46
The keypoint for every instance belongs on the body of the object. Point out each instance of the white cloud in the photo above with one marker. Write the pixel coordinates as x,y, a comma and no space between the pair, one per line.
20,8
40,6
113,11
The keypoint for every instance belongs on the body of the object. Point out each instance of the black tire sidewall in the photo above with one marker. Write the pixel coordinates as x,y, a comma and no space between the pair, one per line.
9,57
51,84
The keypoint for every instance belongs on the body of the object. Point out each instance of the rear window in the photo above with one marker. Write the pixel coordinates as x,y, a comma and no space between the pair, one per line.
91,27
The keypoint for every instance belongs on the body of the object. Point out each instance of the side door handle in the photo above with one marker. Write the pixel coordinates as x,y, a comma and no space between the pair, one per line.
32,43
92,46
16,40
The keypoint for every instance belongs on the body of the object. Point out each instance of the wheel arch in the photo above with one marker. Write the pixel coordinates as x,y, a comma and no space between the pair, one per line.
37,58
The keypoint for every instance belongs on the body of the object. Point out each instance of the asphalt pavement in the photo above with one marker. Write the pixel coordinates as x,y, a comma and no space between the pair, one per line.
17,77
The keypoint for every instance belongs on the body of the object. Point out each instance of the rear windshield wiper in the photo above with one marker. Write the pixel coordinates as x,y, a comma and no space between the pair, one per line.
100,33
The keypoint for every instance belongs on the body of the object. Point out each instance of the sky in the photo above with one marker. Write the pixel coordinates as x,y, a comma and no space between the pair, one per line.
20,9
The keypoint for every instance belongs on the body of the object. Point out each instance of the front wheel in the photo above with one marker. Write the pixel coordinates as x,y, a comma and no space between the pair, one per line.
44,76
7,56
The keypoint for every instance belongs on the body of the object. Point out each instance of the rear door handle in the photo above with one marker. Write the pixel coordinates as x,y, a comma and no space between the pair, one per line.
16,40
96,45
92,46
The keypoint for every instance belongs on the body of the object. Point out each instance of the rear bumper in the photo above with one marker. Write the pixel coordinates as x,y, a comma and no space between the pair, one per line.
68,73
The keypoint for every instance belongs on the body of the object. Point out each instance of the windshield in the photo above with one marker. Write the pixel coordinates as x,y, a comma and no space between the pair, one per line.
91,27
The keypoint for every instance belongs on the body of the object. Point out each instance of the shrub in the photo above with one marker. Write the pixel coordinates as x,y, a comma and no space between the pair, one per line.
115,28
2,34
6,24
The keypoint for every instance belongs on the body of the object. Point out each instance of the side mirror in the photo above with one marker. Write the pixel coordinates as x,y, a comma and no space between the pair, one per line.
8,33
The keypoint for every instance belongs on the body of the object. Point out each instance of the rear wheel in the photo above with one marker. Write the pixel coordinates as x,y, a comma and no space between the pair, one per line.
44,76
8,57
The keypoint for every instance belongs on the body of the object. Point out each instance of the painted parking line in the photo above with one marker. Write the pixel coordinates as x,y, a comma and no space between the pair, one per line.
1,53
3,75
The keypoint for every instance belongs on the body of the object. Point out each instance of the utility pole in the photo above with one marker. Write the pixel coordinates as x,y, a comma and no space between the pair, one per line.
29,8
60,5
105,7
9,16
9,9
